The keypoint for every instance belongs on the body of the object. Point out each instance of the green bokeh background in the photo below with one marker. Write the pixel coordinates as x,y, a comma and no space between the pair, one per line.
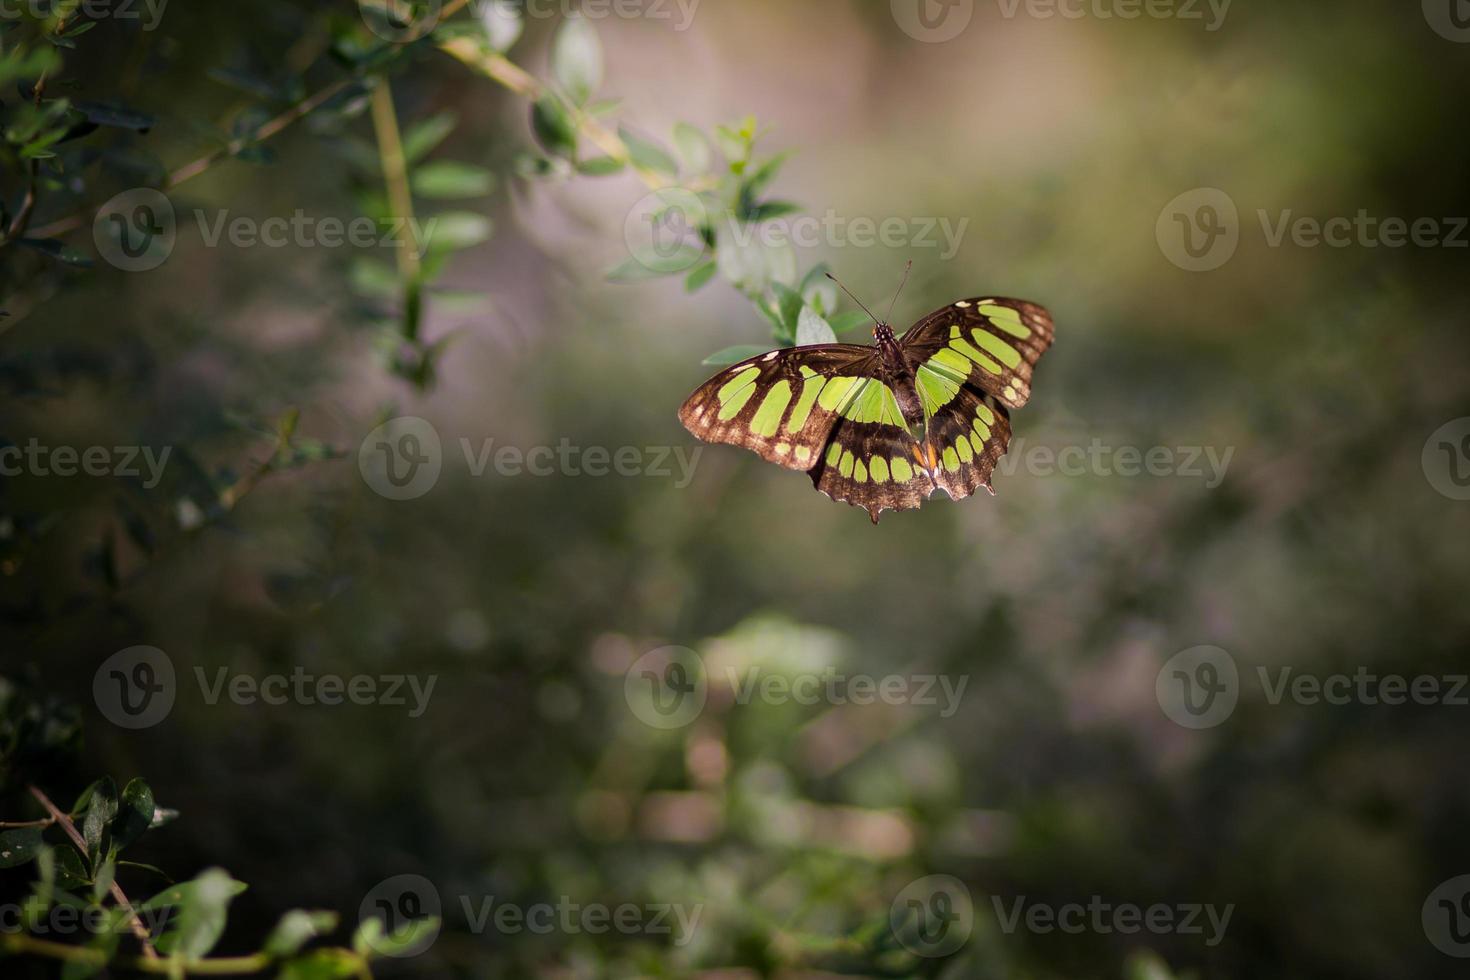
1325,548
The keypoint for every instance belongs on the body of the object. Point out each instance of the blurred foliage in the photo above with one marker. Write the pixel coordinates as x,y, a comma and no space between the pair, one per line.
791,826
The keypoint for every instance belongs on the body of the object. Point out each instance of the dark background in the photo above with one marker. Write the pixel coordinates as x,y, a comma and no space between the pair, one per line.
1326,548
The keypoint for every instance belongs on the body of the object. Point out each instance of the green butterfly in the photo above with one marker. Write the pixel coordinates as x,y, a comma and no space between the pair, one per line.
883,427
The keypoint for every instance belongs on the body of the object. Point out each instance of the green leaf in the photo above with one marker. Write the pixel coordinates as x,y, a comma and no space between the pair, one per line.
135,815
101,809
295,929
811,328
819,292
502,22
576,59
103,878
758,181
851,320
58,250
201,910
734,355
452,179
20,846
321,964
693,148
423,137
770,210
553,127
702,274
120,117
601,167
456,230
648,155
650,267
788,304
409,939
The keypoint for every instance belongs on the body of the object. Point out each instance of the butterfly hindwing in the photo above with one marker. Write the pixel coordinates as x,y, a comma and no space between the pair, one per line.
992,343
967,436
782,404
871,459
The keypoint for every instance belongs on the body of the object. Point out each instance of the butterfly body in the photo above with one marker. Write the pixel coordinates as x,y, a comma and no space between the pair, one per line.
883,426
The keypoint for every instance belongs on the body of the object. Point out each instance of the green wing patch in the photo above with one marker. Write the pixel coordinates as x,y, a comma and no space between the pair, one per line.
991,343
967,437
782,404
873,465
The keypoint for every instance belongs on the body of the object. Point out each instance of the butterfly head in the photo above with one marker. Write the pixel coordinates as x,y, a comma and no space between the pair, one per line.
883,334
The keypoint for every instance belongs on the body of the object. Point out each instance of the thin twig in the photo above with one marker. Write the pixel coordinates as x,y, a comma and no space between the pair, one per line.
134,923
395,174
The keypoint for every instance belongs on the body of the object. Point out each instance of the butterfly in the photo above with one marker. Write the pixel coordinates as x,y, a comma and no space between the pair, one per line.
884,426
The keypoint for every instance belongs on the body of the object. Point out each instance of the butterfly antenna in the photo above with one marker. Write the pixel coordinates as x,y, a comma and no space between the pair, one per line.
854,298
906,270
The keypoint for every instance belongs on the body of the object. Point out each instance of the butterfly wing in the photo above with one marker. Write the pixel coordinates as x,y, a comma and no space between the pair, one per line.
966,437
871,460
992,344
781,405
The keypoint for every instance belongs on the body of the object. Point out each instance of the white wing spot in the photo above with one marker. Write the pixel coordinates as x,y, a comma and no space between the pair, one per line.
963,304
771,356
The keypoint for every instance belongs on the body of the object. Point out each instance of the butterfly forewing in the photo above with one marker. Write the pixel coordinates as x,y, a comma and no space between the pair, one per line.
781,405
991,343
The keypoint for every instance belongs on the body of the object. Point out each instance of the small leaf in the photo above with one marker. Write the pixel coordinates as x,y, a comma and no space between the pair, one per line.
409,939
600,167
789,303
851,320
502,22
553,127
101,809
295,929
58,250
702,274
451,179
648,155
20,846
812,329
423,137
734,355
457,230
119,117
651,267
770,210
576,59
201,910
135,815
693,147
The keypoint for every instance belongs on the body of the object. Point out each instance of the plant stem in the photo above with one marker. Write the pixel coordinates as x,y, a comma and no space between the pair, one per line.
395,174
134,923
